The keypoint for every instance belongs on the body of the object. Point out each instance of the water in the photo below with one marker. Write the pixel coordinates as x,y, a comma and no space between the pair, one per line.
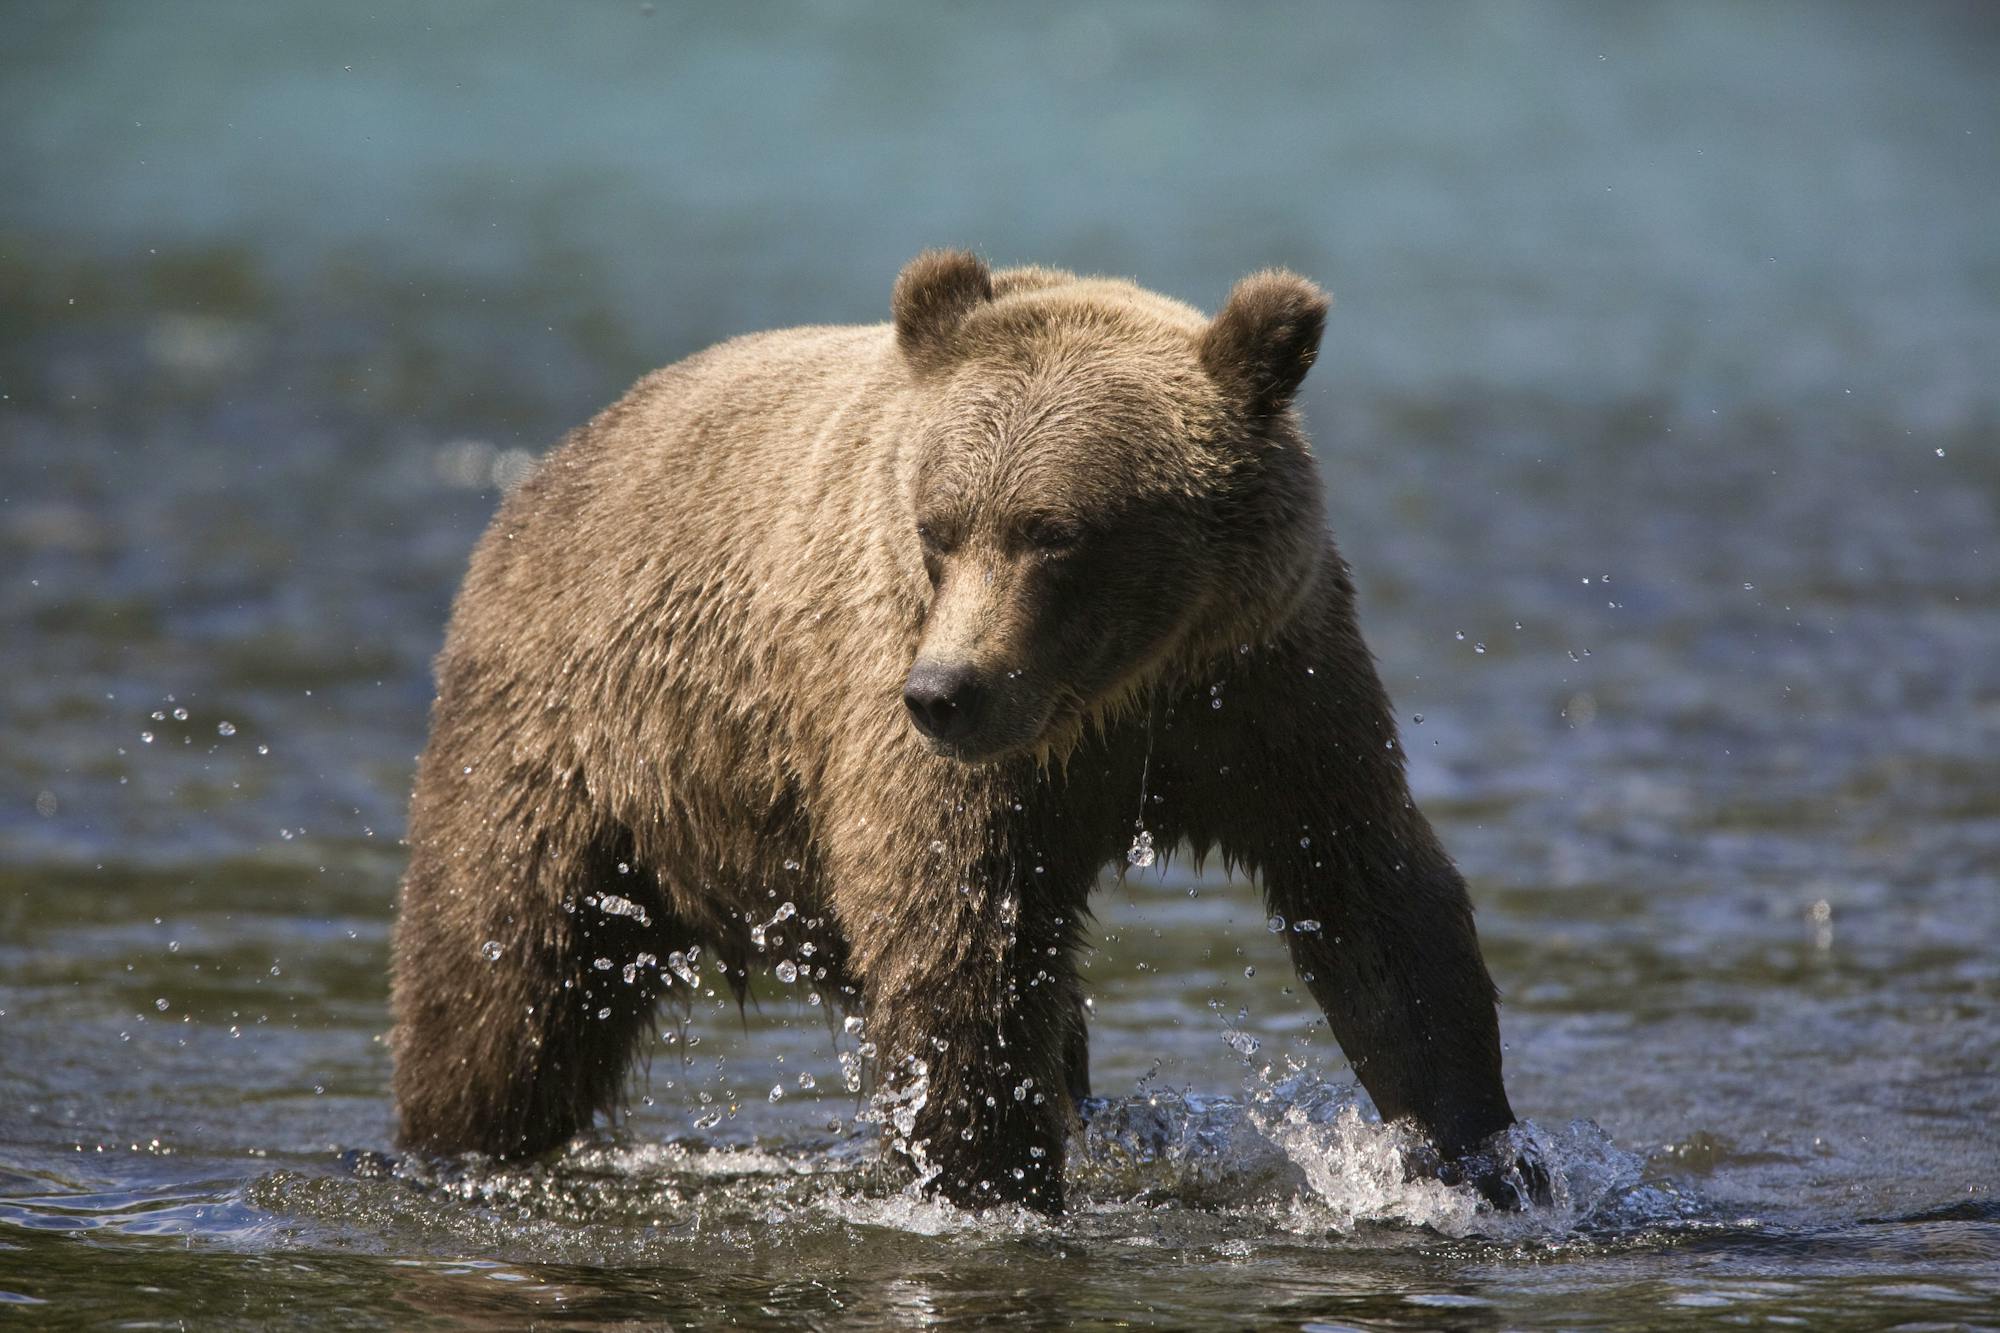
1662,369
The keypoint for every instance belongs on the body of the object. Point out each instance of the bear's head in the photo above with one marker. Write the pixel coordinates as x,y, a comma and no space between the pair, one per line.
1101,486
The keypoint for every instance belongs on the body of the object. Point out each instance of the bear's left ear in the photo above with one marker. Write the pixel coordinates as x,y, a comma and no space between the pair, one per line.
1264,340
933,295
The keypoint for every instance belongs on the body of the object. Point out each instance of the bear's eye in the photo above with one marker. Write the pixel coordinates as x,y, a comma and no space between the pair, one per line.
932,540
1051,537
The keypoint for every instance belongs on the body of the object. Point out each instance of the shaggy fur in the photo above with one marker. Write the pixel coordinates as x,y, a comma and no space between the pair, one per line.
672,697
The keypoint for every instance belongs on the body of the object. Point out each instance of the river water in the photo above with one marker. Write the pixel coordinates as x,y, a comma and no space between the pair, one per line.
1658,416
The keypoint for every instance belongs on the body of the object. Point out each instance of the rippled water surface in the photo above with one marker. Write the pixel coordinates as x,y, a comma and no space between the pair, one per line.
1659,419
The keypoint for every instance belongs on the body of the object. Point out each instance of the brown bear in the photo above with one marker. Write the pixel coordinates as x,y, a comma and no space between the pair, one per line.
894,624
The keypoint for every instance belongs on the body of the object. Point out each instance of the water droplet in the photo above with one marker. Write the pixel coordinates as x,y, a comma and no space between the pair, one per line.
490,951
1417,718
788,972
146,736
604,1013
225,728
161,1004
851,1025
808,1082
1306,926
263,749
1478,647
777,1092
1141,853
612,904
1249,971
180,715
1275,925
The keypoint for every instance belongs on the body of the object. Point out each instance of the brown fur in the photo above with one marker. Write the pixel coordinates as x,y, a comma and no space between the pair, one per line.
675,675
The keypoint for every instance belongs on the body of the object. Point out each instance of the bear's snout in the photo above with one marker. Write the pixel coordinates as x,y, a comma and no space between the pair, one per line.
947,700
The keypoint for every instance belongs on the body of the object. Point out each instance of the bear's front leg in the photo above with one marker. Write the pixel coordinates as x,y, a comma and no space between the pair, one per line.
971,1005
1312,798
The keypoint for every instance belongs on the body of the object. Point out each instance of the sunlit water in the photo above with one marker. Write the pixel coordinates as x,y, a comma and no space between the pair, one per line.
1658,418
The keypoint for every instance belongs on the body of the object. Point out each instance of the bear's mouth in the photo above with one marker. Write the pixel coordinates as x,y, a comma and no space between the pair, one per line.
989,745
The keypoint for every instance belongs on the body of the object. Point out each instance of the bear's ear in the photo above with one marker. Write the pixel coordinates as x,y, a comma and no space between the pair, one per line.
933,295
1263,342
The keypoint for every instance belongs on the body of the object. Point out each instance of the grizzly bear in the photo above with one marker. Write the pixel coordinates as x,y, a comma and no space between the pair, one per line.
895,624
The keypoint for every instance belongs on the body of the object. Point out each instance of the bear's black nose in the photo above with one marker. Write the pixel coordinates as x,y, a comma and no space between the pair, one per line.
945,699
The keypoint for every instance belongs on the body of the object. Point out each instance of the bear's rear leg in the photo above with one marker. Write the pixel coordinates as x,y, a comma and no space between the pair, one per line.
519,998
1076,1055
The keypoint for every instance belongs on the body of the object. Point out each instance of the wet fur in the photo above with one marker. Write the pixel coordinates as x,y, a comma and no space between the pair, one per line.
673,675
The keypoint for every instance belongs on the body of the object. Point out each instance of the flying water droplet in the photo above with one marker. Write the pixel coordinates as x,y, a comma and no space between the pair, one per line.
1141,853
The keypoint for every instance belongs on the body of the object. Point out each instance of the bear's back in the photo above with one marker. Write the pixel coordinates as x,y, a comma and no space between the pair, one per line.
674,578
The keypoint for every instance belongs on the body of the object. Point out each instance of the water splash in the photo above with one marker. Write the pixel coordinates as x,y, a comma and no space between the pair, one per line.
1285,1160
1304,1146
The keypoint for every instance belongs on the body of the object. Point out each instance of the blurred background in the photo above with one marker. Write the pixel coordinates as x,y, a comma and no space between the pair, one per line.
1658,414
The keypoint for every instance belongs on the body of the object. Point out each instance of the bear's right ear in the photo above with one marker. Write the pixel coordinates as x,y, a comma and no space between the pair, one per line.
933,295
1265,339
